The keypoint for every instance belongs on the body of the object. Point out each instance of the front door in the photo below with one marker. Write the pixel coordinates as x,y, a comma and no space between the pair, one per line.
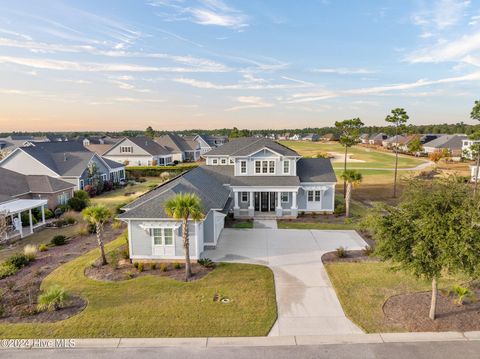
163,242
265,201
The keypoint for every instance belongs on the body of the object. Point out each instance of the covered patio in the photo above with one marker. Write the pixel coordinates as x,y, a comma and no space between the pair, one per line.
13,210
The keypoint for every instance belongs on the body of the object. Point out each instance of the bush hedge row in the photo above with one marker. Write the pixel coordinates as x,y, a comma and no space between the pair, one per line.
155,171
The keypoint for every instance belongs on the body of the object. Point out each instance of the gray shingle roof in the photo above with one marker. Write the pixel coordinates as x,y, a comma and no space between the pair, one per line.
150,146
112,164
247,145
447,141
175,143
315,170
14,184
212,192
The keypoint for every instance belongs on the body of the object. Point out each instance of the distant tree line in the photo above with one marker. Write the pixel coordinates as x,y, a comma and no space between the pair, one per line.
234,132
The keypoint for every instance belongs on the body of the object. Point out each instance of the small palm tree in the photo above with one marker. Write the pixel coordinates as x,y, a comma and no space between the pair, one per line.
98,215
185,206
351,177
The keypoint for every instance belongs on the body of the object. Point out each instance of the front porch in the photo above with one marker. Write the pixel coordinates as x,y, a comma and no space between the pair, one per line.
12,212
265,204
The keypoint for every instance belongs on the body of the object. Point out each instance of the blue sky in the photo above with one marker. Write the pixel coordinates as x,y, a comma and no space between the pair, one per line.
176,64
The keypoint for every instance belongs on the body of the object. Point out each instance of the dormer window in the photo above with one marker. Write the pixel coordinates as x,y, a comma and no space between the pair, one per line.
286,167
264,167
243,167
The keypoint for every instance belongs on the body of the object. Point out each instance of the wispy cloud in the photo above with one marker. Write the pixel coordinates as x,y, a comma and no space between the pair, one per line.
441,15
250,102
344,71
203,12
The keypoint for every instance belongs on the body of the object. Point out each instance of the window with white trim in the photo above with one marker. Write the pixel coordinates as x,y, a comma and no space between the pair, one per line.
258,166
264,166
231,161
271,166
314,196
162,236
310,196
244,197
215,161
285,197
126,149
243,166
224,161
286,167
318,196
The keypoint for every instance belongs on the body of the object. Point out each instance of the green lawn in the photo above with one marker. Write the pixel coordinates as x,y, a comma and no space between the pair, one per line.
154,306
243,225
116,197
372,158
363,288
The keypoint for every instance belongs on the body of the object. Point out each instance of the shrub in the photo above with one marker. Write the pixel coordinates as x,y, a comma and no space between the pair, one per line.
165,176
136,264
52,299
140,267
368,250
129,275
7,269
18,260
341,252
113,259
153,266
163,267
59,240
83,231
140,180
125,253
91,190
91,228
206,262
42,247
77,204
69,220
461,293
49,214
30,252
83,195
117,224
177,266
26,219
107,186
339,209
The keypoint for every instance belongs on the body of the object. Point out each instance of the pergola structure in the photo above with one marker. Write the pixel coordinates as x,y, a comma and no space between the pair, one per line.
14,210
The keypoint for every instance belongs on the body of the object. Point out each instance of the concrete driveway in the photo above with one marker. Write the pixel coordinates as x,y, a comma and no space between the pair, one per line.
307,303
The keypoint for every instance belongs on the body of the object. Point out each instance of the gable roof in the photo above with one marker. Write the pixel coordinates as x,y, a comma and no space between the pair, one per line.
315,170
175,143
245,146
210,189
99,149
447,141
14,184
148,145
64,158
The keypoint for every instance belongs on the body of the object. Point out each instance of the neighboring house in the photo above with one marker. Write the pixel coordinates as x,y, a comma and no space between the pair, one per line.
207,142
330,137
69,161
394,141
10,143
451,143
99,140
139,151
182,150
296,137
259,178
404,144
364,138
377,139
311,137
466,148
19,186
284,136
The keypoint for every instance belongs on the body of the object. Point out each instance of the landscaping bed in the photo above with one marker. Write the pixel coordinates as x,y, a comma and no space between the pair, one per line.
19,291
411,312
349,256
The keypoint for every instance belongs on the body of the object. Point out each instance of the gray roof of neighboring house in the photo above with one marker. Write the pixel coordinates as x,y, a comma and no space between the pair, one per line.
378,137
315,170
175,143
112,164
210,189
14,184
150,146
447,141
247,145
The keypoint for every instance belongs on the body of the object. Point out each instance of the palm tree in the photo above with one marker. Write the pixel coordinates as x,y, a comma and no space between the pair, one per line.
185,206
351,177
98,215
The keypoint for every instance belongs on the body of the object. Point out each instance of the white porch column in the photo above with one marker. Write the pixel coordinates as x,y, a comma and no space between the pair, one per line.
294,209
43,214
236,207
251,207
279,209
30,220
20,227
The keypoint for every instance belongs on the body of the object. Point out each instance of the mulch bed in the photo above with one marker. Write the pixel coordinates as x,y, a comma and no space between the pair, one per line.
19,292
411,312
351,256
127,270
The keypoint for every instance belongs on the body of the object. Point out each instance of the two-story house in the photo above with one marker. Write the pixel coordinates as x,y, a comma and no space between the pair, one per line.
182,149
247,177
68,161
139,151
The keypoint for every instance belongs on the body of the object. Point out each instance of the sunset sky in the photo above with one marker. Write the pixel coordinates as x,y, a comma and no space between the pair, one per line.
179,64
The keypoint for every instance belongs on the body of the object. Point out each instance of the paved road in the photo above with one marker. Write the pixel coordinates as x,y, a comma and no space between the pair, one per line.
307,303
437,350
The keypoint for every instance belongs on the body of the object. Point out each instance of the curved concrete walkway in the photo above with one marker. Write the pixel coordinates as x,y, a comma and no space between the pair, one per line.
307,303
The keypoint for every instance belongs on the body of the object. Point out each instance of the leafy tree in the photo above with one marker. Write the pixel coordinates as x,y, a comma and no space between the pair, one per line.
475,115
398,118
149,132
98,215
432,232
352,178
415,145
349,136
185,207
